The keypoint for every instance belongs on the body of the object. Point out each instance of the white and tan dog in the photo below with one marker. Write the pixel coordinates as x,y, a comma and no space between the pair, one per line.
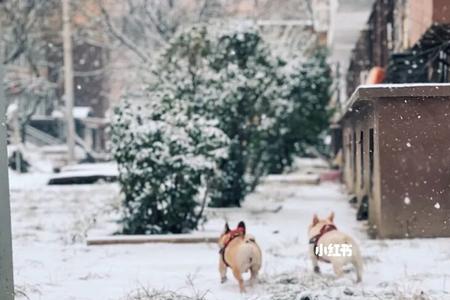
323,234
240,252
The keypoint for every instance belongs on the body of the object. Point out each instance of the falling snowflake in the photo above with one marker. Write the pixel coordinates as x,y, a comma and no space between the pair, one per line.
407,200
437,205
408,144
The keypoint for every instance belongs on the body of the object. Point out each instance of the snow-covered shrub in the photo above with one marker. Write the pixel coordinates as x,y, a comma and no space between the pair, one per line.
216,114
306,114
166,147
166,162
245,107
228,76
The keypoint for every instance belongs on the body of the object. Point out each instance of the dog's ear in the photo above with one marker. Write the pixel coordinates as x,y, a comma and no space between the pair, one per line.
241,225
227,228
331,217
315,220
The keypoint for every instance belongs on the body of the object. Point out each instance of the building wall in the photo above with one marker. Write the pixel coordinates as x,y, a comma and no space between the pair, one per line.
415,167
441,11
401,22
381,27
375,191
409,185
375,44
362,176
422,14
360,62
394,27
420,18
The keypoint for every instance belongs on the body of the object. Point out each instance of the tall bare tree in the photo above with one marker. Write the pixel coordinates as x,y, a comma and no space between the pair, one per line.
25,41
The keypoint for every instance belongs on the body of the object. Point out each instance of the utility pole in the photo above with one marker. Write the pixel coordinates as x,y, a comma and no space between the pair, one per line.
6,264
68,80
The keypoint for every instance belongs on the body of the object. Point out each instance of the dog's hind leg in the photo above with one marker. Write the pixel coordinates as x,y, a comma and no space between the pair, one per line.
254,274
357,263
237,274
337,267
222,271
315,262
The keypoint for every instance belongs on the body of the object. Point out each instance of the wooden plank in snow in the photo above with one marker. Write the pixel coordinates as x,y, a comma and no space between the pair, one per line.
152,239
296,179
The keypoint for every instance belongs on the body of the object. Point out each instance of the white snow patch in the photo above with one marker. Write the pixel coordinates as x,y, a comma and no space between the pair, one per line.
52,261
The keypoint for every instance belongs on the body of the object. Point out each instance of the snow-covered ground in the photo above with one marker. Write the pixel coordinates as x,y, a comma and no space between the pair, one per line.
52,261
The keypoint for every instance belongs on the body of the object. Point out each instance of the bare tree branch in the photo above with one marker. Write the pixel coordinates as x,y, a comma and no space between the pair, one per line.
121,37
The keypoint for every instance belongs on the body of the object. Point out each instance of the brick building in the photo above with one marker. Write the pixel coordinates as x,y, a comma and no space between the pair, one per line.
407,38
393,137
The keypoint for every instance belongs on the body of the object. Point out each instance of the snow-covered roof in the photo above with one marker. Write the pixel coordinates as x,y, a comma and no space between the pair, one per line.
399,91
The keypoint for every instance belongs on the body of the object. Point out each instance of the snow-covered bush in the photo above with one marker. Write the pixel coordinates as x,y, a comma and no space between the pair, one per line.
306,114
166,162
247,99
217,113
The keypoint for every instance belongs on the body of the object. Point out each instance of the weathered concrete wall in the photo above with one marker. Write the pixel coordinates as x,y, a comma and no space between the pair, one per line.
408,188
360,177
415,162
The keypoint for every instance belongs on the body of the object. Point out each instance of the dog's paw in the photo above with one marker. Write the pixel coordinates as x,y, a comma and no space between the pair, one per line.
317,270
223,279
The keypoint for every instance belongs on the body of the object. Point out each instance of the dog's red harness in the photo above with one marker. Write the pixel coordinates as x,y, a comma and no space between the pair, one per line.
315,239
231,236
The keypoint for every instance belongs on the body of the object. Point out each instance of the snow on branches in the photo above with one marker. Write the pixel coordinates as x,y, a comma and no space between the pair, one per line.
216,111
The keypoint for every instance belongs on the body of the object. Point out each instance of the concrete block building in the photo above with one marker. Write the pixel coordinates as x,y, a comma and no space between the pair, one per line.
396,158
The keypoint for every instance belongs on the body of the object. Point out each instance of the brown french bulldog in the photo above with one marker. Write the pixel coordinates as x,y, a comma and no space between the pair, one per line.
240,252
330,245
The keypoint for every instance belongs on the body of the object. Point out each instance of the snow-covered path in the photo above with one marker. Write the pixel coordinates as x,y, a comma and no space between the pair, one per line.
52,261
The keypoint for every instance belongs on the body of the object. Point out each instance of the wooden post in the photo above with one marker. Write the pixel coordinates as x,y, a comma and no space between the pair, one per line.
68,80
6,267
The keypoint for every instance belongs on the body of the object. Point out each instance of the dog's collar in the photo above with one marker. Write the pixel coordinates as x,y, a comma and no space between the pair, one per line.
232,235
315,239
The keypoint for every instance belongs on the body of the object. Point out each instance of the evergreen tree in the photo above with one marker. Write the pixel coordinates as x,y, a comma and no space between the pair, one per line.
166,150
307,115
232,78
219,112
247,76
